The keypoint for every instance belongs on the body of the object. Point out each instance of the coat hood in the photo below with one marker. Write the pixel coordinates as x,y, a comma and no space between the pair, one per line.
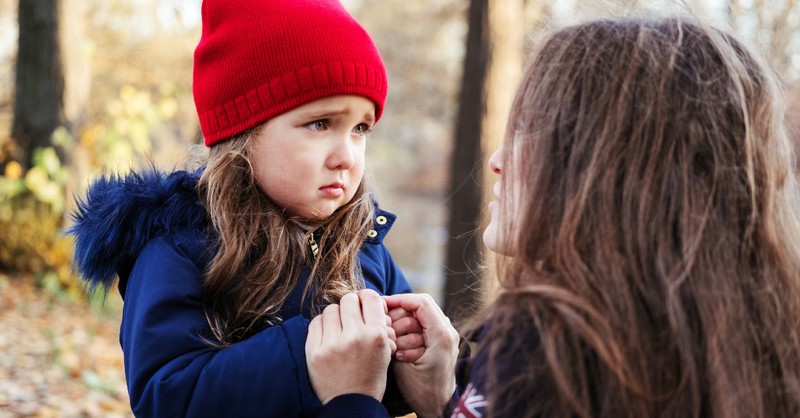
120,214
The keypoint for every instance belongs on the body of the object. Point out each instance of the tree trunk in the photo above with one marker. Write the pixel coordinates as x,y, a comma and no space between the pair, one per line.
77,71
76,63
462,284
39,78
492,67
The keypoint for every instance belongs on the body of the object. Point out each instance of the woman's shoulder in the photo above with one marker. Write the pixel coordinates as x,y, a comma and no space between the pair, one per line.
493,355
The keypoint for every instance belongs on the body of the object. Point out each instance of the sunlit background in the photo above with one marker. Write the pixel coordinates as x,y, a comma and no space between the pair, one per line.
127,96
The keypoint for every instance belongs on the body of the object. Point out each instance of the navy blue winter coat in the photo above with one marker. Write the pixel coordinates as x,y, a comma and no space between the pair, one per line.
148,229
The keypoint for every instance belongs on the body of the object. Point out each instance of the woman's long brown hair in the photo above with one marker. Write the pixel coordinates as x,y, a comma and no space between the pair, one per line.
260,251
654,238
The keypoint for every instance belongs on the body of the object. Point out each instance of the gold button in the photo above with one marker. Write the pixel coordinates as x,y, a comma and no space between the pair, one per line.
381,220
372,233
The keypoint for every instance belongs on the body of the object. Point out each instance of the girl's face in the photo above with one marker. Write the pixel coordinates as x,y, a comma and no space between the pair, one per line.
491,236
310,160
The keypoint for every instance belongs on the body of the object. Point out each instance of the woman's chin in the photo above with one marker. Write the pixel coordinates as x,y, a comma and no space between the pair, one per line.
490,238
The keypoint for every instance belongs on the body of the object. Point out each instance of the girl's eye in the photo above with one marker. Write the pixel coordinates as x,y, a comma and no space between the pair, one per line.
318,125
362,129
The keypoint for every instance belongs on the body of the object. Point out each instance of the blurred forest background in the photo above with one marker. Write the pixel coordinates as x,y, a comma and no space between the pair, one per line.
95,86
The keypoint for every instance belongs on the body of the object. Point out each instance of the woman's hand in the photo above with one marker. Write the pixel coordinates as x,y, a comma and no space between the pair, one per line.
349,347
428,382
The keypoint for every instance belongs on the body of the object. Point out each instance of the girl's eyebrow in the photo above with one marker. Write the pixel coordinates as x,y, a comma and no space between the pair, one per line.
331,112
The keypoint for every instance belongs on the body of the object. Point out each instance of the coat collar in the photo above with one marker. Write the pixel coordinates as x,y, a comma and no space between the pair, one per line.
381,225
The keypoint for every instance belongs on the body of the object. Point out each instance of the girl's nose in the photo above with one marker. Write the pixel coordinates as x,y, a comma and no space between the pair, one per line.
496,161
343,154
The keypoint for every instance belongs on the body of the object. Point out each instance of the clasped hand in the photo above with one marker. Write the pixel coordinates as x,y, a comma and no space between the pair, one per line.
350,347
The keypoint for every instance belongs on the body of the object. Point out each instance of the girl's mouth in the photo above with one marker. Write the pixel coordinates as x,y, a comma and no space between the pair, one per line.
333,190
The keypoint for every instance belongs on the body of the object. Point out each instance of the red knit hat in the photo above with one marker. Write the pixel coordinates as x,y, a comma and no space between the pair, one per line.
259,58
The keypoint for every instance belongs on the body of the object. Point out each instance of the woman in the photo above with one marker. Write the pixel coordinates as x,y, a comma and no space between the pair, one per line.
647,206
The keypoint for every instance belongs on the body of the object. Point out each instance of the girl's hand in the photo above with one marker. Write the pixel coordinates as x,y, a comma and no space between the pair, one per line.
410,341
349,347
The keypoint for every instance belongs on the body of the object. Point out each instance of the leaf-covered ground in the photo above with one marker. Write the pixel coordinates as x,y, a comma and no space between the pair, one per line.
58,357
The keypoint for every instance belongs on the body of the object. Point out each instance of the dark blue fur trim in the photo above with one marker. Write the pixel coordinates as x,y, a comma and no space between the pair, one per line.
120,214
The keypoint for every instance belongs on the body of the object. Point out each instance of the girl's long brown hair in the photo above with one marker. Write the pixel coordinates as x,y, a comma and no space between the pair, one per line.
260,251
654,238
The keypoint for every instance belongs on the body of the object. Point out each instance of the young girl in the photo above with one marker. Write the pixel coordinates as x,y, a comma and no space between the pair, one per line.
221,269
648,211
648,206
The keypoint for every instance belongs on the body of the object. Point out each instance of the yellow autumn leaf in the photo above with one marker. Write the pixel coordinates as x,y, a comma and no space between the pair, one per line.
13,170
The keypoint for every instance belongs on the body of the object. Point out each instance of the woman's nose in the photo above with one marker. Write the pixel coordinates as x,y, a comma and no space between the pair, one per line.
496,161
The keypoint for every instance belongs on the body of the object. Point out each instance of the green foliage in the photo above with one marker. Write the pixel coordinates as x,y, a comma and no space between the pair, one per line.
32,202
31,220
